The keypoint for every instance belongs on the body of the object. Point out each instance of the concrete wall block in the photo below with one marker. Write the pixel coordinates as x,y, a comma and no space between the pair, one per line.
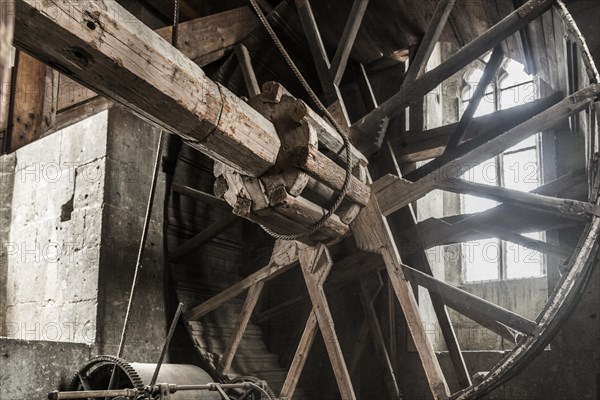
85,141
89,184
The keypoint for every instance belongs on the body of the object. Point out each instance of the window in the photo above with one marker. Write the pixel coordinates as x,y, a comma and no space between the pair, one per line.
517,168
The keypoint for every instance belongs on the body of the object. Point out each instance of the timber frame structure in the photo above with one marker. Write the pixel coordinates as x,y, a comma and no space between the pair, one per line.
279,163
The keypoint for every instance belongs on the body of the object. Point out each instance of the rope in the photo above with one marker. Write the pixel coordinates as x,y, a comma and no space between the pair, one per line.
319,224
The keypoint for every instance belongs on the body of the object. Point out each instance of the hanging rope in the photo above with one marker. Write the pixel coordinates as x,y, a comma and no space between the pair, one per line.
317,226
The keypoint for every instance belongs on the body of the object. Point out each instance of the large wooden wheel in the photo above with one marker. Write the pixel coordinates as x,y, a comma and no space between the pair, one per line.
388,211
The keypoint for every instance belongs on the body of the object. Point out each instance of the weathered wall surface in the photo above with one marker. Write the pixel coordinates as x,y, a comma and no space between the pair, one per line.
54,239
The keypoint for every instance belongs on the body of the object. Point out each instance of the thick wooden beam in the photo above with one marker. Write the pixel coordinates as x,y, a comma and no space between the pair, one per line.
568,208
394,193
373,234
203,237
87,39
427,44
240,327
285,256
340,59
476,308
421,86
300,357
421,146
316,264
243,56
490,71
34,98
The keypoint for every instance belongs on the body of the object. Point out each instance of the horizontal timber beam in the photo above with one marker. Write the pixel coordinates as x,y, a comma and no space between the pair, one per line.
562,207
134,66
469,305
394,193
421,146
427,82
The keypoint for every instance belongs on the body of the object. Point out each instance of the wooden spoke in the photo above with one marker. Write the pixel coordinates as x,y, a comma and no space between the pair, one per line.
471,306
394,193
299,361
434,31
316,264
245,61
285,256
429,81
240,327
561,207
200,196
205,236
373,234
367,299
410,147
489,73
340,59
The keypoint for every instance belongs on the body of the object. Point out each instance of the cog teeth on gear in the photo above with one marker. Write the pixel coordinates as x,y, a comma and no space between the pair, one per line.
131,373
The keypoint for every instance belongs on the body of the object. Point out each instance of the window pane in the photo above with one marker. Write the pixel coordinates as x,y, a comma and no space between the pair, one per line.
515,74
481,260
523,262
517,95
482,173
521,170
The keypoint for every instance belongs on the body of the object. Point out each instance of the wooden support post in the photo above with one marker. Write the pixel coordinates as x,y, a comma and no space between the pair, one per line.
489,73
371,315
568,208
340,59
471,306
245,61
321,59
206,235
240,327
364,85
394,193
430,80
284,257
359,347
432,35
373,234
87,38
34,99
316,264
299,361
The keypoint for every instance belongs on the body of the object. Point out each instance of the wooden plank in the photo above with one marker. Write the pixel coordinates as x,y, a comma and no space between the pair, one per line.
432,35
212,35
240,327
490,71
430,80
299,361
88,39
203,237
476,308
561,207
394,193
245,61
359,347
373,234
340,59
326,171
316,264
382,354
33,97
412,147
78,113
285,256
